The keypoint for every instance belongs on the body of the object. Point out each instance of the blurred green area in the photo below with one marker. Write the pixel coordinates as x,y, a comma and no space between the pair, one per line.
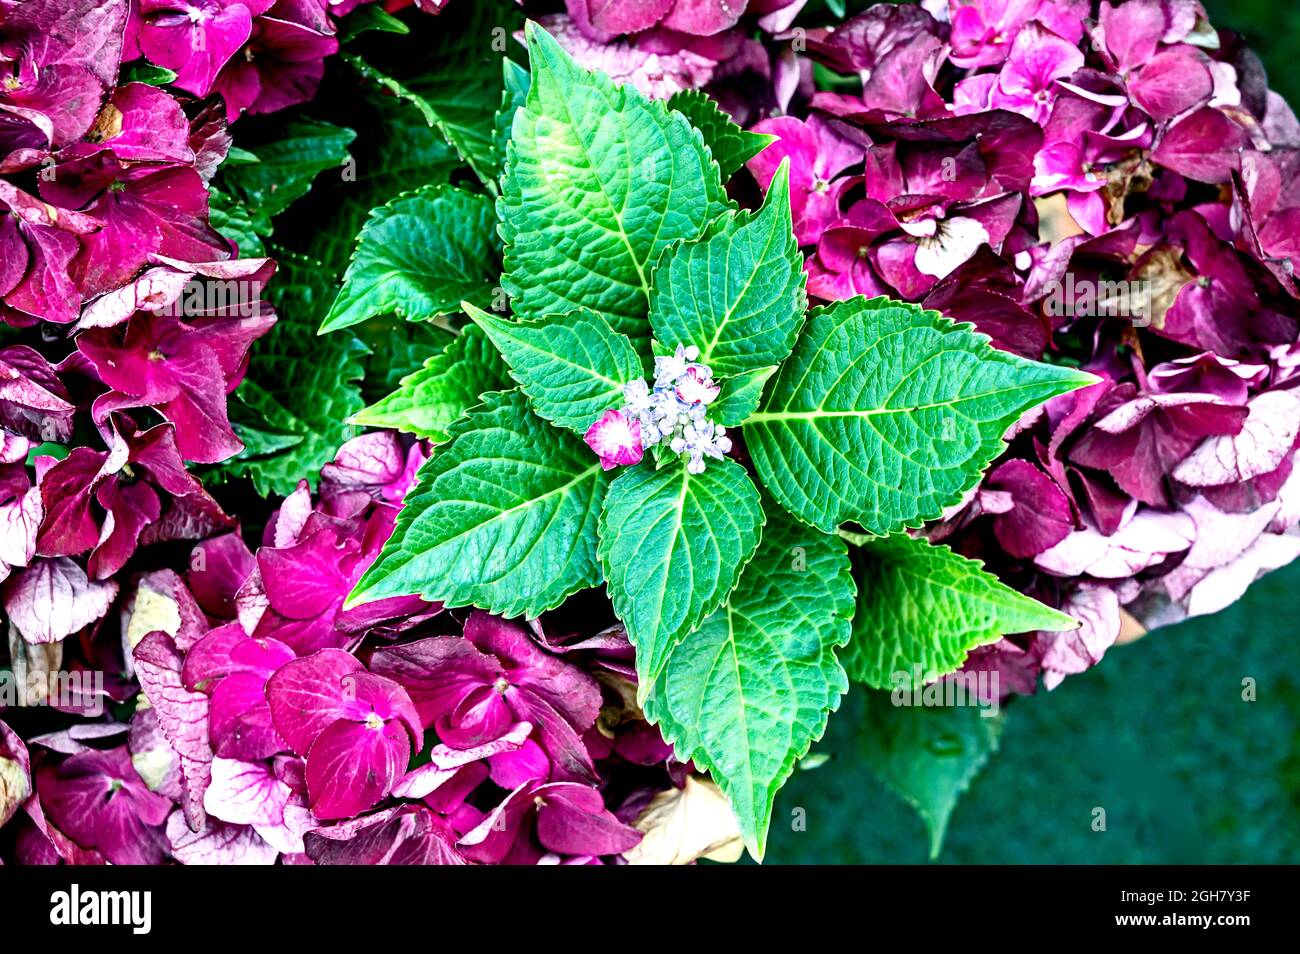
1157,735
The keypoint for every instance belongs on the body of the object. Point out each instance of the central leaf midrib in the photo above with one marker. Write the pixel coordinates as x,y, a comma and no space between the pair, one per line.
707,353
818,413
621,232
663,590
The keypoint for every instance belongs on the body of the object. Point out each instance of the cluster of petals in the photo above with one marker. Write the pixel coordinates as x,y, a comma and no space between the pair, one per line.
272,722
99,177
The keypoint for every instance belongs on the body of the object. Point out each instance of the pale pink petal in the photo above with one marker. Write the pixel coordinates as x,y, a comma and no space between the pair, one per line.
1097,610
182,715
217,844
246,793
1266,437
54,598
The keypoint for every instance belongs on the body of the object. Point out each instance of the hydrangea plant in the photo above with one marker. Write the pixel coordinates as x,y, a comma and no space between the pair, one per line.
650,313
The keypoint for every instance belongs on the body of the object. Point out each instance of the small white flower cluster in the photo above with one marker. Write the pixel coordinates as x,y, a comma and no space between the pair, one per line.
676,410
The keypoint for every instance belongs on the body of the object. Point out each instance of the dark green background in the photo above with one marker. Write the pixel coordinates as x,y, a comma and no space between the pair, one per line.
1157,734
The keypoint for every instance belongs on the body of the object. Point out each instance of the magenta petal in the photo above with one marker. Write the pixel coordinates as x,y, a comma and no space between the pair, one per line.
149,126
1172,82
438,673
218,568
1146,540
525,764
161,362
226,650
282,66
511,644
47,291
411,836
493,838
69,527
1132,30
817,156
307,695
605,19
703,17
130,507
33,399
1037,59
53,599
1040,516
616,439
1266,438
560,737
240,722
86,34
1097,609
195,50
573,820
1204,146
372,695
351,766
15,770
372,462
305,579
98,800
444,757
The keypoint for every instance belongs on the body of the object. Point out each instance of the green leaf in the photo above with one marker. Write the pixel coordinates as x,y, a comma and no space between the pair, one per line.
886,414
418,257
399,349
254,417
286,167
46,449
739,396
503,517
737,293
451,382
517,81
923,608
746,695
237,156
297,384
599,181
731,146
928,755
370,18
141,72
672,545
394,87
234,222
572,367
